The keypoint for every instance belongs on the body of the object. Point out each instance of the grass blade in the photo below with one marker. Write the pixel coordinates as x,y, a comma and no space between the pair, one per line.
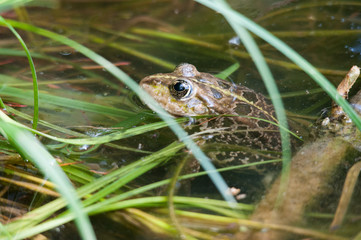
33,72
270,84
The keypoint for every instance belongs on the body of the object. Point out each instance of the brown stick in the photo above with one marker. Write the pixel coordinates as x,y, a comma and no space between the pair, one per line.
345,199
343,89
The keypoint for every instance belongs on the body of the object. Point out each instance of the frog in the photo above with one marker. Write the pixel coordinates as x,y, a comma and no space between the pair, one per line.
242,127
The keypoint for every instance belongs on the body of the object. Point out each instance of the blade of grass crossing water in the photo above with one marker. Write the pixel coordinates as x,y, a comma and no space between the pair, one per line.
227,72
33,72
5,5
270,84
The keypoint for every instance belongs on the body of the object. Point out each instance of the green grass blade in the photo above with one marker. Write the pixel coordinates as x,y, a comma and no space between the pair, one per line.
272,89
6,5
33,72
269,81
227,72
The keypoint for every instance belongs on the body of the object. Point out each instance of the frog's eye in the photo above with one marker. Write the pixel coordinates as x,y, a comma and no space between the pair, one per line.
181,89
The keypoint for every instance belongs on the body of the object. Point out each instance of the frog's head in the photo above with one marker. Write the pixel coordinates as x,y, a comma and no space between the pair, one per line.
180,92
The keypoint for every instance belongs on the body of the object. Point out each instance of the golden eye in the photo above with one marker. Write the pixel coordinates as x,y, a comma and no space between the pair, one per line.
181,89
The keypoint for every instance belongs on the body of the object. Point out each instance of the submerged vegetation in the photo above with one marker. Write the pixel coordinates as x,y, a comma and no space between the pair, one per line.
81,107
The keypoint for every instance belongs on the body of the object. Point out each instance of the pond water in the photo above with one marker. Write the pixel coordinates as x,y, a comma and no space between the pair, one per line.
145,37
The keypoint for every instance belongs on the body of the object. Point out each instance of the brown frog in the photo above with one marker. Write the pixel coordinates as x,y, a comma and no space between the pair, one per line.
238,128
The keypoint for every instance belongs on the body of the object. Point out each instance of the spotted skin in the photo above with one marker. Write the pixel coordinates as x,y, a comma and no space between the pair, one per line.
187,92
